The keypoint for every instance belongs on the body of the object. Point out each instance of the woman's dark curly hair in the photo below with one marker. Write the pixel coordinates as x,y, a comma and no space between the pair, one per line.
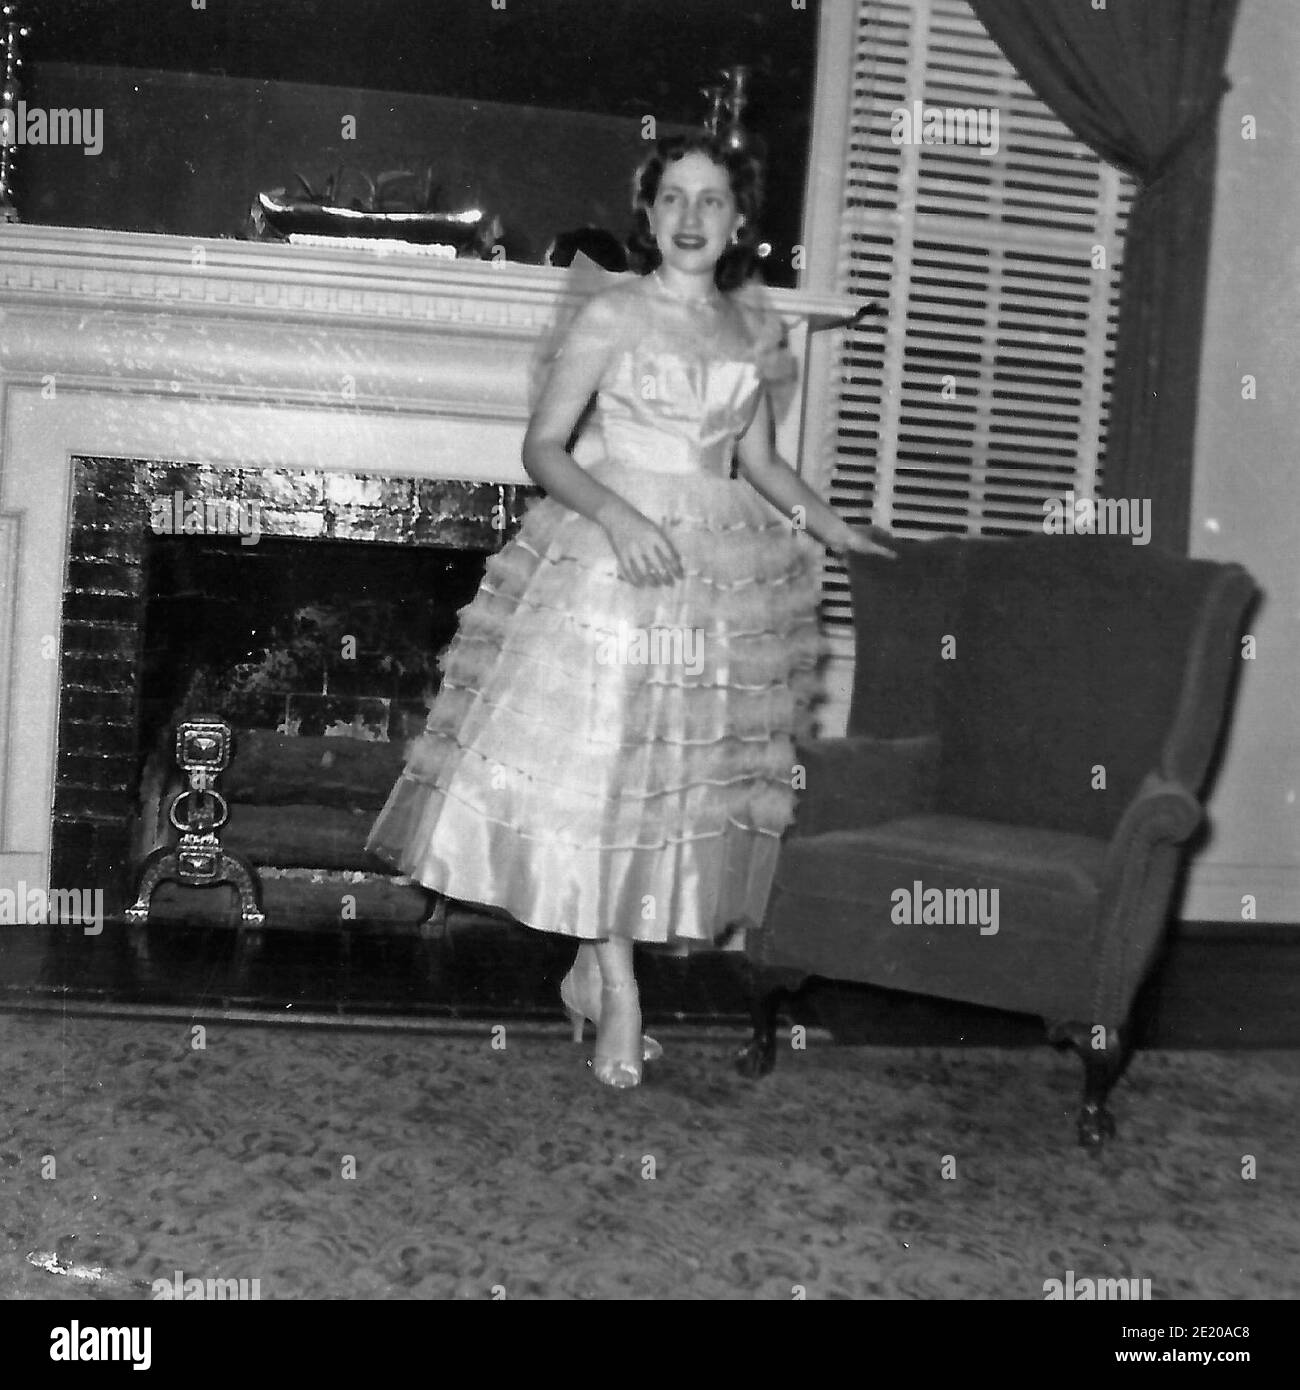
745,175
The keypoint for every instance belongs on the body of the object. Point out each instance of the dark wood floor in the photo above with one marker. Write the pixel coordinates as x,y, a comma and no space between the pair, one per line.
1217,985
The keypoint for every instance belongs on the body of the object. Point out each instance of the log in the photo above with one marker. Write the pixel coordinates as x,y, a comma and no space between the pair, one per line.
301,836
270,769
297,905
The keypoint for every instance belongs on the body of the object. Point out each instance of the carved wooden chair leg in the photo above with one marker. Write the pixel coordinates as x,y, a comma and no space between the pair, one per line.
1104,1053
766,989
758,1056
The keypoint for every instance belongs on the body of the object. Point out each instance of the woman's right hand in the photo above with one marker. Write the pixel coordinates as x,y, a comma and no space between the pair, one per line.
645,554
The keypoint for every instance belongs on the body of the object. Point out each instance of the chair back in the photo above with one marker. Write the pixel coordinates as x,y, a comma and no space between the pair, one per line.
1057,670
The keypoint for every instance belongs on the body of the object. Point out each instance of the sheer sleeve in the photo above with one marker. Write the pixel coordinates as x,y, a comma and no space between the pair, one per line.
583,322
776,363
574,367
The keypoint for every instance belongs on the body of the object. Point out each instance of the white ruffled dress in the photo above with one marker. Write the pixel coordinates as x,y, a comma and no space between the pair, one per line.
606,759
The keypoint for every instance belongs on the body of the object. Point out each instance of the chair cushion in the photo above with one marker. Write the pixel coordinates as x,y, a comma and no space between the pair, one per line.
946,852
843,905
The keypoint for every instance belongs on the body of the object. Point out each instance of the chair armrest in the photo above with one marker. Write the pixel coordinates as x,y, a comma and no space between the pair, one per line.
1140,872
856,781
1163,812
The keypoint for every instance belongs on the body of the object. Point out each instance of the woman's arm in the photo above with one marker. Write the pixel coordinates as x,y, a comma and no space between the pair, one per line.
774,479
645,554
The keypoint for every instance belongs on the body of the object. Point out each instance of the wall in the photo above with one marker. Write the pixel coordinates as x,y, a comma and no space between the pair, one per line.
1244,503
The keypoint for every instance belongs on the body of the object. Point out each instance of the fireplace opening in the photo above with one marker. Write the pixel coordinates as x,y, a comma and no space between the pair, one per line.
307,611
328,638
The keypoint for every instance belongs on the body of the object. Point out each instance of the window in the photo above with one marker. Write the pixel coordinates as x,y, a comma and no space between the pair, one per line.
992,239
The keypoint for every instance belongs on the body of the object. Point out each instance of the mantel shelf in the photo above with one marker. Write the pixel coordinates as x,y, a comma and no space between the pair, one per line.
134,268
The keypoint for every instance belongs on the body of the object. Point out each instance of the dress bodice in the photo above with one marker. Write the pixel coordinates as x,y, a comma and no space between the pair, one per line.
674,410
679,391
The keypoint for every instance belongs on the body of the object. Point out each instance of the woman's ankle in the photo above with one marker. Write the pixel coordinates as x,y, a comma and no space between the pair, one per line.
614,957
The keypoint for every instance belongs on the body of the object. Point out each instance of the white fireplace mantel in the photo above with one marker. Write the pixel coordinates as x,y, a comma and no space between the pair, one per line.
243,354
346,334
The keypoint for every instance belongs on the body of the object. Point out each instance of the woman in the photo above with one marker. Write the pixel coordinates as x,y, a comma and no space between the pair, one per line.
610,754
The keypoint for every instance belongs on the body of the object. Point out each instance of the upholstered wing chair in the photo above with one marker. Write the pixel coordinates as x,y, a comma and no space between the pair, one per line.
1031,727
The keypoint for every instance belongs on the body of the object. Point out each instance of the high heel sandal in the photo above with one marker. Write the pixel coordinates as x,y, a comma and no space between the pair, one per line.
581,996
621,1009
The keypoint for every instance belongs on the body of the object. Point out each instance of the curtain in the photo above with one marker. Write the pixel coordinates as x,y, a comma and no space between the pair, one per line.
1139,82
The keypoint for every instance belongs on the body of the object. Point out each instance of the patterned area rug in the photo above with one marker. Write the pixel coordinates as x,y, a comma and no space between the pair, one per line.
483,1171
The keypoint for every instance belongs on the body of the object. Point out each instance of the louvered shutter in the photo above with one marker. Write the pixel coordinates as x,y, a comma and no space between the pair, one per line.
983,390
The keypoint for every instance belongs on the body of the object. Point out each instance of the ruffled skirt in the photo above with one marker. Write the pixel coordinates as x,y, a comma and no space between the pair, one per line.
604,759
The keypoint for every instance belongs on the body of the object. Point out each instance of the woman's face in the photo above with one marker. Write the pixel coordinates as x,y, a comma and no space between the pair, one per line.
694,213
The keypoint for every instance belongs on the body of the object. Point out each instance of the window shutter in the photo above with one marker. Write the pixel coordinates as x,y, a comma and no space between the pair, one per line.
982,389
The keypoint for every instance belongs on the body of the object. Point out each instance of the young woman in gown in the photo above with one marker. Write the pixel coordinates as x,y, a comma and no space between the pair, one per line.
610,754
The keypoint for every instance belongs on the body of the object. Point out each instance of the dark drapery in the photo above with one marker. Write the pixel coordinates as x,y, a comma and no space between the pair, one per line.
1139,81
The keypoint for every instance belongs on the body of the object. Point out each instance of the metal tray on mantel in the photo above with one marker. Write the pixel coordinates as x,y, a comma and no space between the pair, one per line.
299,215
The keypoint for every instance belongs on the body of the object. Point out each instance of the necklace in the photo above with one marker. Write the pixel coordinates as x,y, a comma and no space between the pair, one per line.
707,301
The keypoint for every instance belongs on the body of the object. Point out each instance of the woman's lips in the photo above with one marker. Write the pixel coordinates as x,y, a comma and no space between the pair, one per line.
690,243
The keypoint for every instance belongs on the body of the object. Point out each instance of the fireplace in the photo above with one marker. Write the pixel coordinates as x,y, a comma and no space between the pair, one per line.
285,602
147,367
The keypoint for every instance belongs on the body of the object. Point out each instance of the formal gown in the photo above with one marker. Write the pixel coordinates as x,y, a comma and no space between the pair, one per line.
607,759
